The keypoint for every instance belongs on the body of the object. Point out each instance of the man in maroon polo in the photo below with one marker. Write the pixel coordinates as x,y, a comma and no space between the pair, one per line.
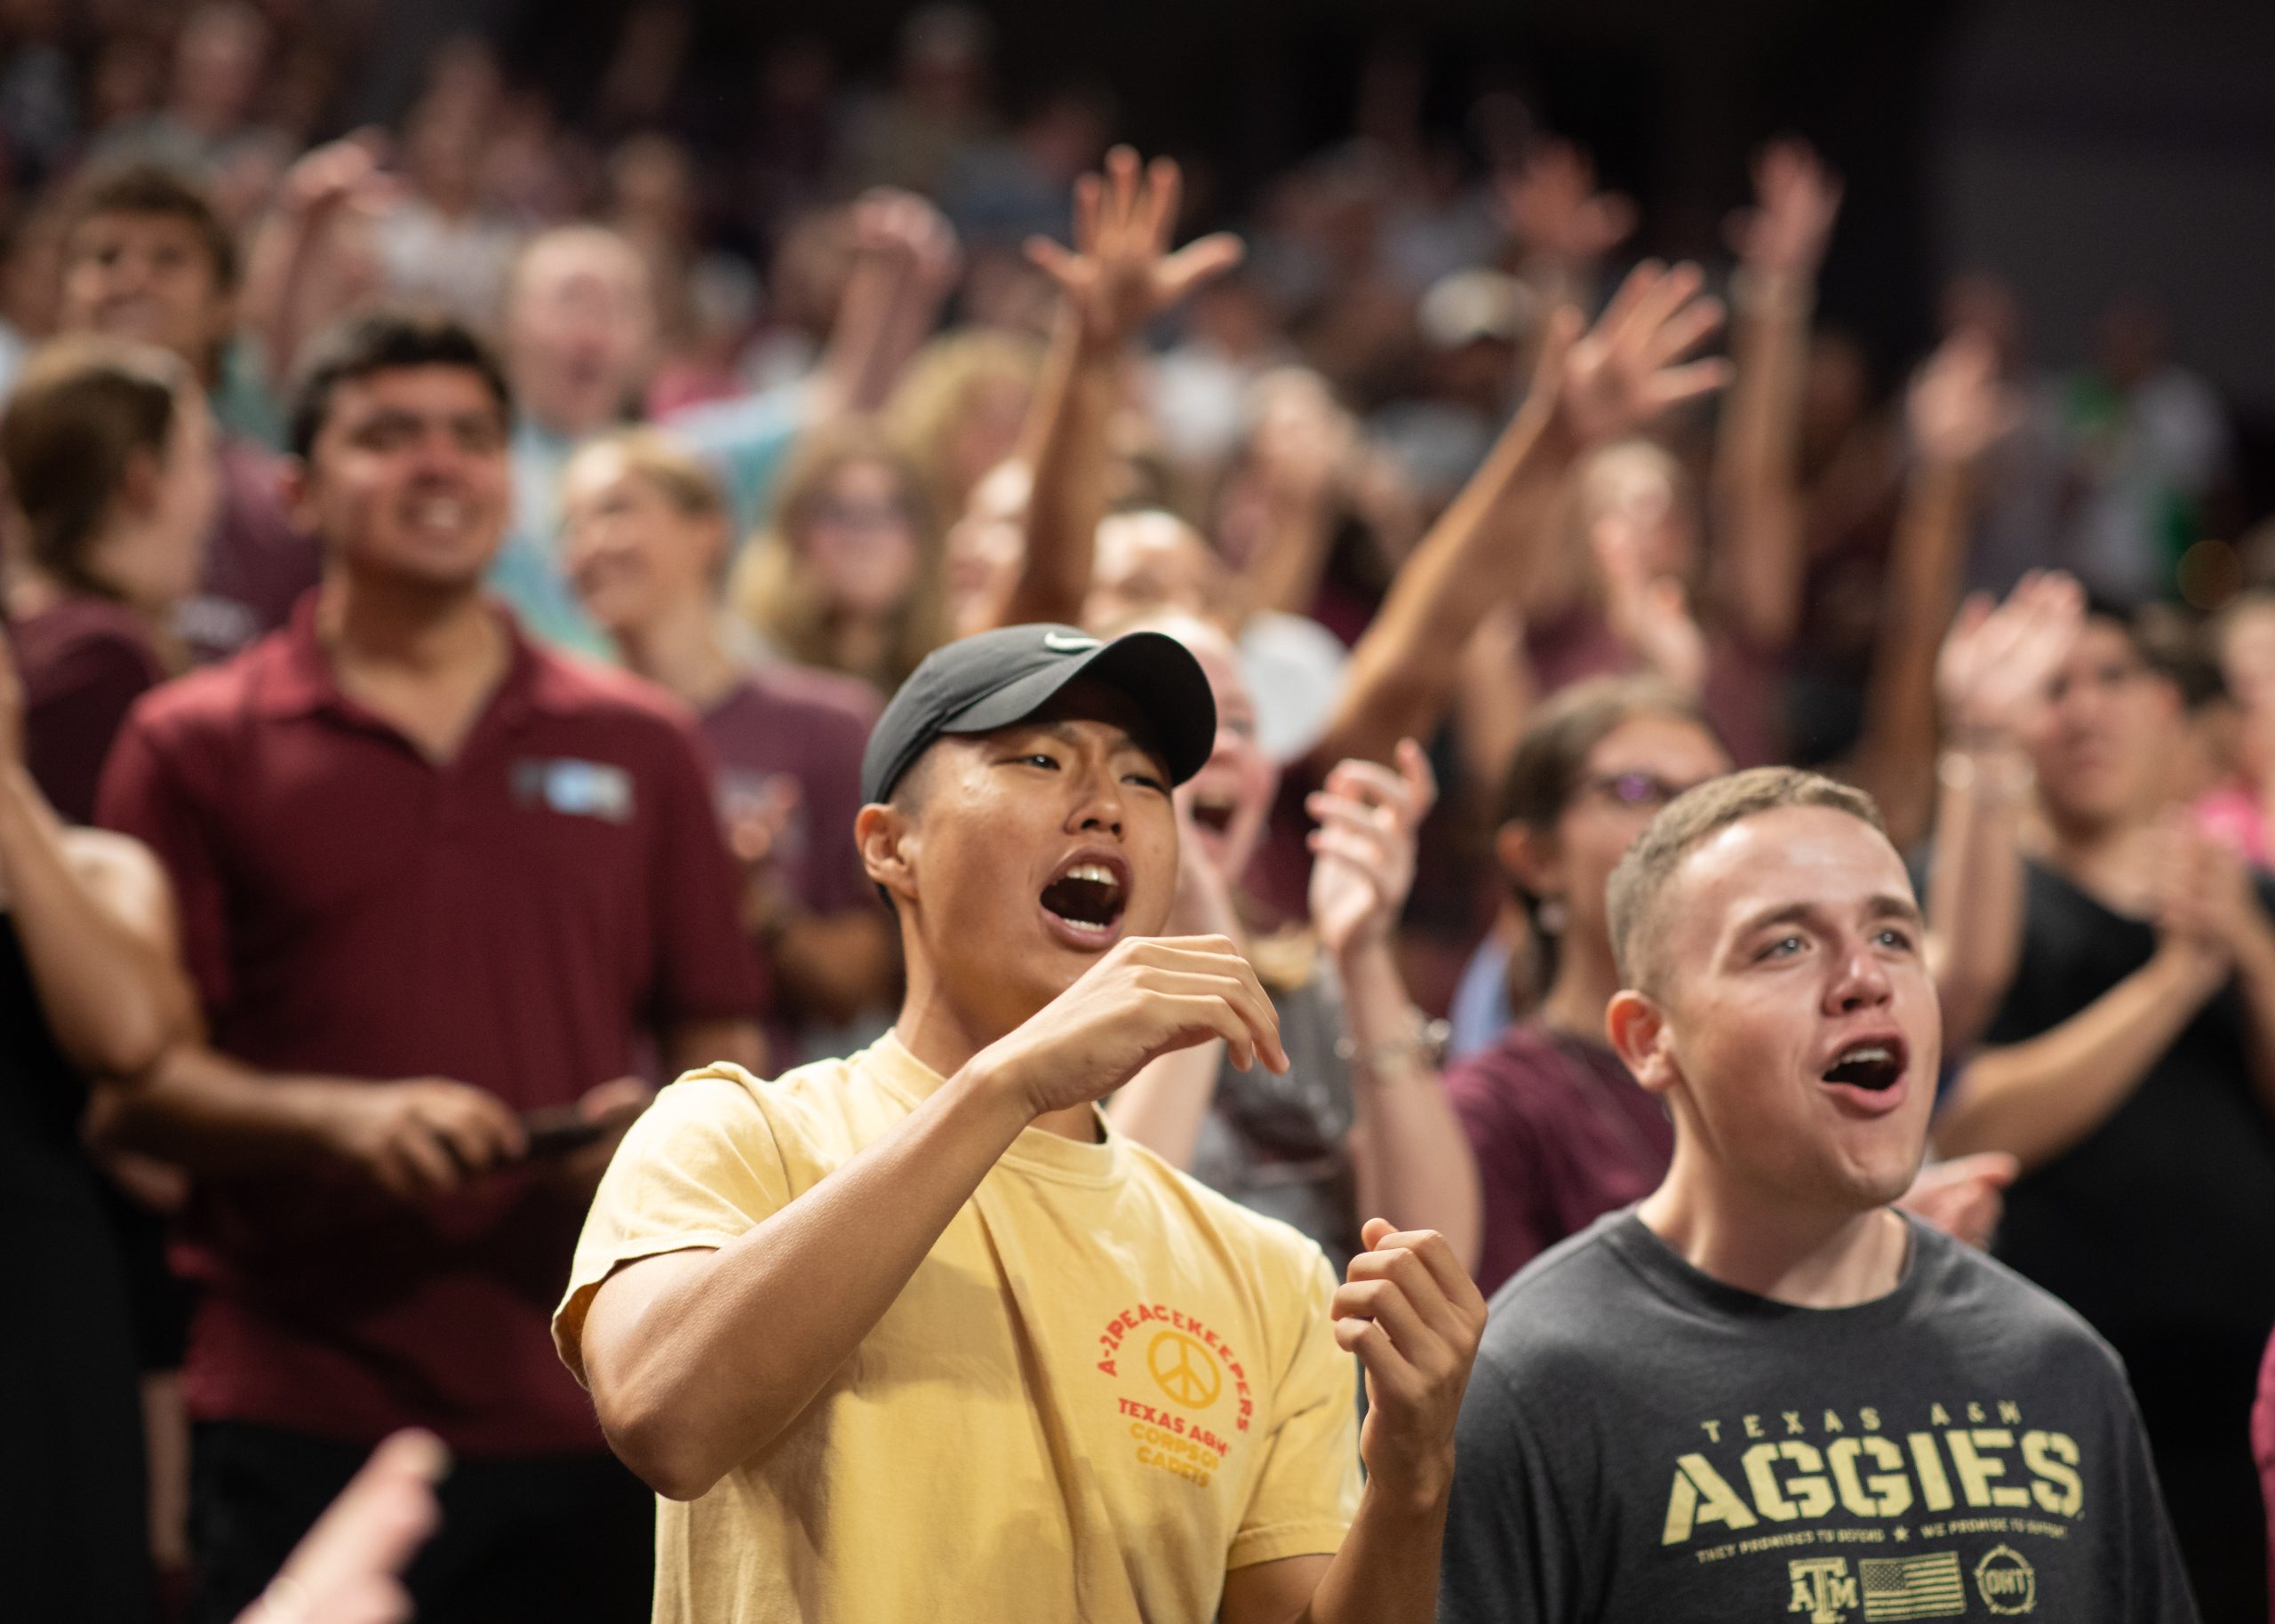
432,878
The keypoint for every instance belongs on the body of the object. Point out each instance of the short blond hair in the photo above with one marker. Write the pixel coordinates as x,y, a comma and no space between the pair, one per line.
1636,894
674,469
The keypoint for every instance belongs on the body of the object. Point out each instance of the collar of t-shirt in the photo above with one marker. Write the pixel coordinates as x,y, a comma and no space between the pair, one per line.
1667,1273
1036,1150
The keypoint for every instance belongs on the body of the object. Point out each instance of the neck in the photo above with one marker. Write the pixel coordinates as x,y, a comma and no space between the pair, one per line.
679,648
369,621
1586,981
1808,1257
944,1036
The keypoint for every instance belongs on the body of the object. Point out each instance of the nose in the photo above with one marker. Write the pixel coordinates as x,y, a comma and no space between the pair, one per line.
1098,803
1860,981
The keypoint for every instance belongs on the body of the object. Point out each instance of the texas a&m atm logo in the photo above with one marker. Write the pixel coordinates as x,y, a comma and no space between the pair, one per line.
1823,1590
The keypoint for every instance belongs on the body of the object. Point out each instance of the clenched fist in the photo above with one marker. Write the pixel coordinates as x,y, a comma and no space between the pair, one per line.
1411,1313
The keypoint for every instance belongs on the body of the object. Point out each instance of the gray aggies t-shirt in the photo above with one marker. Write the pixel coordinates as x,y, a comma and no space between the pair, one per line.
1641,1442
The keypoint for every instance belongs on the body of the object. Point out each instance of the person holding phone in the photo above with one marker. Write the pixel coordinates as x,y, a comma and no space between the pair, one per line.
433,878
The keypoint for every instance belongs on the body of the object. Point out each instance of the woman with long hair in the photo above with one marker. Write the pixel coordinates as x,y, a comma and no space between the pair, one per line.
847,577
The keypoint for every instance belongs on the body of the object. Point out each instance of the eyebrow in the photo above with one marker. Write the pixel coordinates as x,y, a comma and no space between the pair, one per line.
1883,905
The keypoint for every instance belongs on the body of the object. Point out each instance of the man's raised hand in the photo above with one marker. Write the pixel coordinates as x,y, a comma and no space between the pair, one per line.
1549,200
1796,199
1362,852
1147,996
1629,368
1121,273
1998,663
1411,1313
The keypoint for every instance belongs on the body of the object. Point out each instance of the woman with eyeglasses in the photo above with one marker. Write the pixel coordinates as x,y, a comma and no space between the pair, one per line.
848,576
1561,1133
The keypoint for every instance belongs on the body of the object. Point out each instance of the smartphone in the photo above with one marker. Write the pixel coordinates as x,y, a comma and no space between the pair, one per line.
558,1129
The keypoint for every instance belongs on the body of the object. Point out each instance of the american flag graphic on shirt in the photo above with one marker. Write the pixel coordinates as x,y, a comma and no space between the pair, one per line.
1913,1586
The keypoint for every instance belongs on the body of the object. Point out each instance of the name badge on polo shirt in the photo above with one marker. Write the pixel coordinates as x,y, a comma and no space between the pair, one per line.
580,789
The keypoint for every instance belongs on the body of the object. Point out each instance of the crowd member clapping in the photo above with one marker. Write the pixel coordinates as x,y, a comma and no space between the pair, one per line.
1357,1124
2127,1067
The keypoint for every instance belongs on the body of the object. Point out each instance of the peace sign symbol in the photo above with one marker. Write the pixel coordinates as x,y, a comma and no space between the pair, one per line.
1184,1369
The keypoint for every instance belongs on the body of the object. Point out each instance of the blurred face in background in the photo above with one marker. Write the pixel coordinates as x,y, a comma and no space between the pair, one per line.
147,276
985,547
1632,771
580,329
858,537
1151,559
986,430
1229,800
634,553
2105,745
407,479
2247,661
1634,495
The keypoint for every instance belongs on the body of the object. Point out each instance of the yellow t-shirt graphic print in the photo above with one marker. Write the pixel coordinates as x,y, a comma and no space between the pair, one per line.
1102,1388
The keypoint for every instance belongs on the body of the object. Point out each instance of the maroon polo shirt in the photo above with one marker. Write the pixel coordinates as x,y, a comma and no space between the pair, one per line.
84,662
1562,1134
512,918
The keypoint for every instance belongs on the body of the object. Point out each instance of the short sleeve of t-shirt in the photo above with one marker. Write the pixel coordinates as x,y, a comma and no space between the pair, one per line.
701,1167
1307,1490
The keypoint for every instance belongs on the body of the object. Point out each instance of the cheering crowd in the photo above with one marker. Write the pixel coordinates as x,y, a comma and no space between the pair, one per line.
1187,809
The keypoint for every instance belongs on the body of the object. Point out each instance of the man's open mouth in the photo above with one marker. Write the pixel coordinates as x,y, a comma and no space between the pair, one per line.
1873,1065
1213,810
1088,895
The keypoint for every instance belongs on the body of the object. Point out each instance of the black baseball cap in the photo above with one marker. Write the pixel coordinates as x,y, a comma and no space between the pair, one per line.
978,684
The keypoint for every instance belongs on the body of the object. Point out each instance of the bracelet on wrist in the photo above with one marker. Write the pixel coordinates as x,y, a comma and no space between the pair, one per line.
1425,1042
2003,773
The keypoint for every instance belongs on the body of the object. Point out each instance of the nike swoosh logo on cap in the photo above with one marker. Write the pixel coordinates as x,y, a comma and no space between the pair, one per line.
1062,643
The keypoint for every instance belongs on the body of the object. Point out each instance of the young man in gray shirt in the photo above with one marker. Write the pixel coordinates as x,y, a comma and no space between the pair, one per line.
1763,1392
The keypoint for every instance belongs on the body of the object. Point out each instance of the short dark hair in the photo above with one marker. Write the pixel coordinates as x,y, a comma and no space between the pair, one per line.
1640,883
387,341
143,187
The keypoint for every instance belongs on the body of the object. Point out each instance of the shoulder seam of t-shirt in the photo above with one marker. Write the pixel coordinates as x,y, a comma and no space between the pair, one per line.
1530,1279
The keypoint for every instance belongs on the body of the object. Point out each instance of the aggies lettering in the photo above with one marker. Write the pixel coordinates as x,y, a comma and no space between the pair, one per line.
1770,1469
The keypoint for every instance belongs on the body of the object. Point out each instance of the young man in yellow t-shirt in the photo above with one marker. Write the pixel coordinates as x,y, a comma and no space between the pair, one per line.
914,1335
